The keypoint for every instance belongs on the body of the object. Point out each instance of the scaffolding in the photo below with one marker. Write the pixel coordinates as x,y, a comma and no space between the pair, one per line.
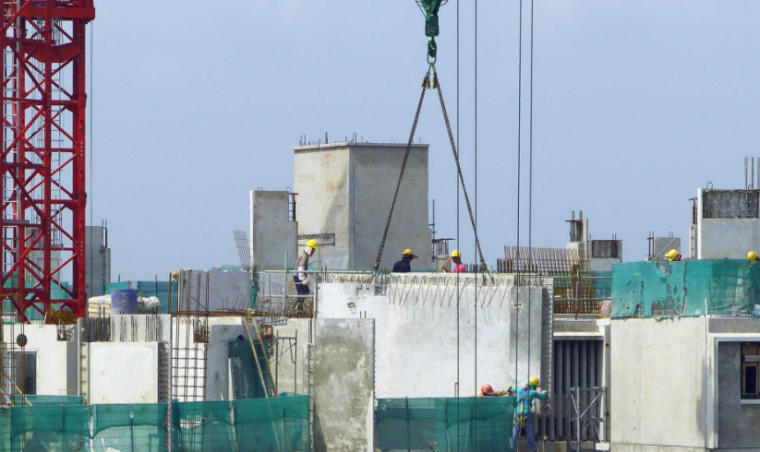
585,418
577,290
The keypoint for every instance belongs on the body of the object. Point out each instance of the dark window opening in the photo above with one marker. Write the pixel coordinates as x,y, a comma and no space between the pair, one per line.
750,370
730,204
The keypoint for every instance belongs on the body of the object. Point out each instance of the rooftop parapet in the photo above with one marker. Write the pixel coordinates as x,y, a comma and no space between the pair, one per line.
716,287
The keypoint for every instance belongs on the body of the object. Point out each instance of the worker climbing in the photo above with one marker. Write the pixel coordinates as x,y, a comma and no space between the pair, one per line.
430,9
524,413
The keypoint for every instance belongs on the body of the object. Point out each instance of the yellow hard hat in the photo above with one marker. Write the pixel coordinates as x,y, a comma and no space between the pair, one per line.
752,256
534,381
312,244
671,254
456,253
409,252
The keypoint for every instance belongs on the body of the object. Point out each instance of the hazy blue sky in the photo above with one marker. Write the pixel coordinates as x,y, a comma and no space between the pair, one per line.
636,105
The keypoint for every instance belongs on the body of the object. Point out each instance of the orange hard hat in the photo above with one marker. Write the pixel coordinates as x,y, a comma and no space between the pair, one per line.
486,389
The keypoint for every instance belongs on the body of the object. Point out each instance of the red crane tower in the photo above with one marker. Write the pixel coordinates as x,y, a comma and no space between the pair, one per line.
43,155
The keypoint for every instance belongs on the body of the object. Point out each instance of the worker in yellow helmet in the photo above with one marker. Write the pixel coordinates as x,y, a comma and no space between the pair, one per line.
752,256
673,255
300,277
456,257
404,265
523,413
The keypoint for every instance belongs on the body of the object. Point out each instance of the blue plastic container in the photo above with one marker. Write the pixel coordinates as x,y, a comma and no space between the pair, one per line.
124,301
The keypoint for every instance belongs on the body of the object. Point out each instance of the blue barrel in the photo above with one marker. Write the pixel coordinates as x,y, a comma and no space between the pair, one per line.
124,301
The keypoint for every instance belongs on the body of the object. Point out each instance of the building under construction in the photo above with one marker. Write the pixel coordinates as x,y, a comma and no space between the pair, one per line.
641,356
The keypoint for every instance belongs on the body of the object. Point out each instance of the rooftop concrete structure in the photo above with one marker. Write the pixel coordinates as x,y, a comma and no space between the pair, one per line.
345,192
728,224
98,260
274,237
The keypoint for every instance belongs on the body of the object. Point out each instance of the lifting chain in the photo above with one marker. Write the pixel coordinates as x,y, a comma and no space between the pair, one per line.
437,85
425,85
434,84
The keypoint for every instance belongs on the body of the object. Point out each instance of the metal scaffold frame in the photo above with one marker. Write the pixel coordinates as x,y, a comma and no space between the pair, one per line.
43,154
585,416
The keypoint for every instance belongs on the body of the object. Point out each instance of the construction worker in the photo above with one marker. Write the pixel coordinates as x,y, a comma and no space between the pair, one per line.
752,256
404,265
673,255
487,391
302,265
456,257
524,414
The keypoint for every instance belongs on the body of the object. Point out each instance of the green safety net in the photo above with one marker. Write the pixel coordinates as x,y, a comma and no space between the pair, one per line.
444,424
686,289
38,400
278,424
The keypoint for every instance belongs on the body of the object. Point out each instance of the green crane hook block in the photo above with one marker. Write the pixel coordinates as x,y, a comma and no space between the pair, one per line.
429,9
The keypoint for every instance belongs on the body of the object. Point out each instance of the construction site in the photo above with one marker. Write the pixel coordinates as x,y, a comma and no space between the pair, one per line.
313,343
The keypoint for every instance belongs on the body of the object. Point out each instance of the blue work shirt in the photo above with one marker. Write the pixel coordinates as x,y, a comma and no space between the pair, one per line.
524,399
402,266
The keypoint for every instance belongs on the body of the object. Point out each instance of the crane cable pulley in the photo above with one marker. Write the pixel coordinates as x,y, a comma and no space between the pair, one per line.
427,83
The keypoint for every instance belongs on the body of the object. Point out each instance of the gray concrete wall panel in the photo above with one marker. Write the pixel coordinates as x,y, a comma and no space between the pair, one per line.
343,385
737,423
274,238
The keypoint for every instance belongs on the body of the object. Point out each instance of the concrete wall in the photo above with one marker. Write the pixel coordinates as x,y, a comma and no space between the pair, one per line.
291,364
123,372
725,237
526,326
343,390
660,393
347,190
418,326
274,238
375,174
52,356
98,258
321,179
223,331
737,422
226,291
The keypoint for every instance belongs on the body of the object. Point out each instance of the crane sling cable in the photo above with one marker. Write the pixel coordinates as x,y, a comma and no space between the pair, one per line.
427,84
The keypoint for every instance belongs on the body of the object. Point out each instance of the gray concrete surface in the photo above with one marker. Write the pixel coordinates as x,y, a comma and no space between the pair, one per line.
98,256
737,423
725,237
274,238
346,189
226,291
343,385
525,328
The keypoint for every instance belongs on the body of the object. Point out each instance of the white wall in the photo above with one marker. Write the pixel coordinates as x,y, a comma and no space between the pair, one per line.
125,372
52,355
416,332
660,372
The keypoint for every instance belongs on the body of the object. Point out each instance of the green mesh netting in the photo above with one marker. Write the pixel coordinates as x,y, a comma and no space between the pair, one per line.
280,424
444,424
686,289
45,428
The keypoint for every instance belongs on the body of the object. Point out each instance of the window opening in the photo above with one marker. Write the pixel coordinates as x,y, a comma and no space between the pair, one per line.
750,370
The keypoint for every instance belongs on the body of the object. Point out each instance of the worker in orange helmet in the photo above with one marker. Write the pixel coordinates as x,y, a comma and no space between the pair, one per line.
487,391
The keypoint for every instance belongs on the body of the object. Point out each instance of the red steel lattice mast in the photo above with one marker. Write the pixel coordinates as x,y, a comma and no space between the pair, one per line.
43,161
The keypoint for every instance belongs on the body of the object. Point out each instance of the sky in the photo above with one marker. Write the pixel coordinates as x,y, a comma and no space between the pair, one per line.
636,105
